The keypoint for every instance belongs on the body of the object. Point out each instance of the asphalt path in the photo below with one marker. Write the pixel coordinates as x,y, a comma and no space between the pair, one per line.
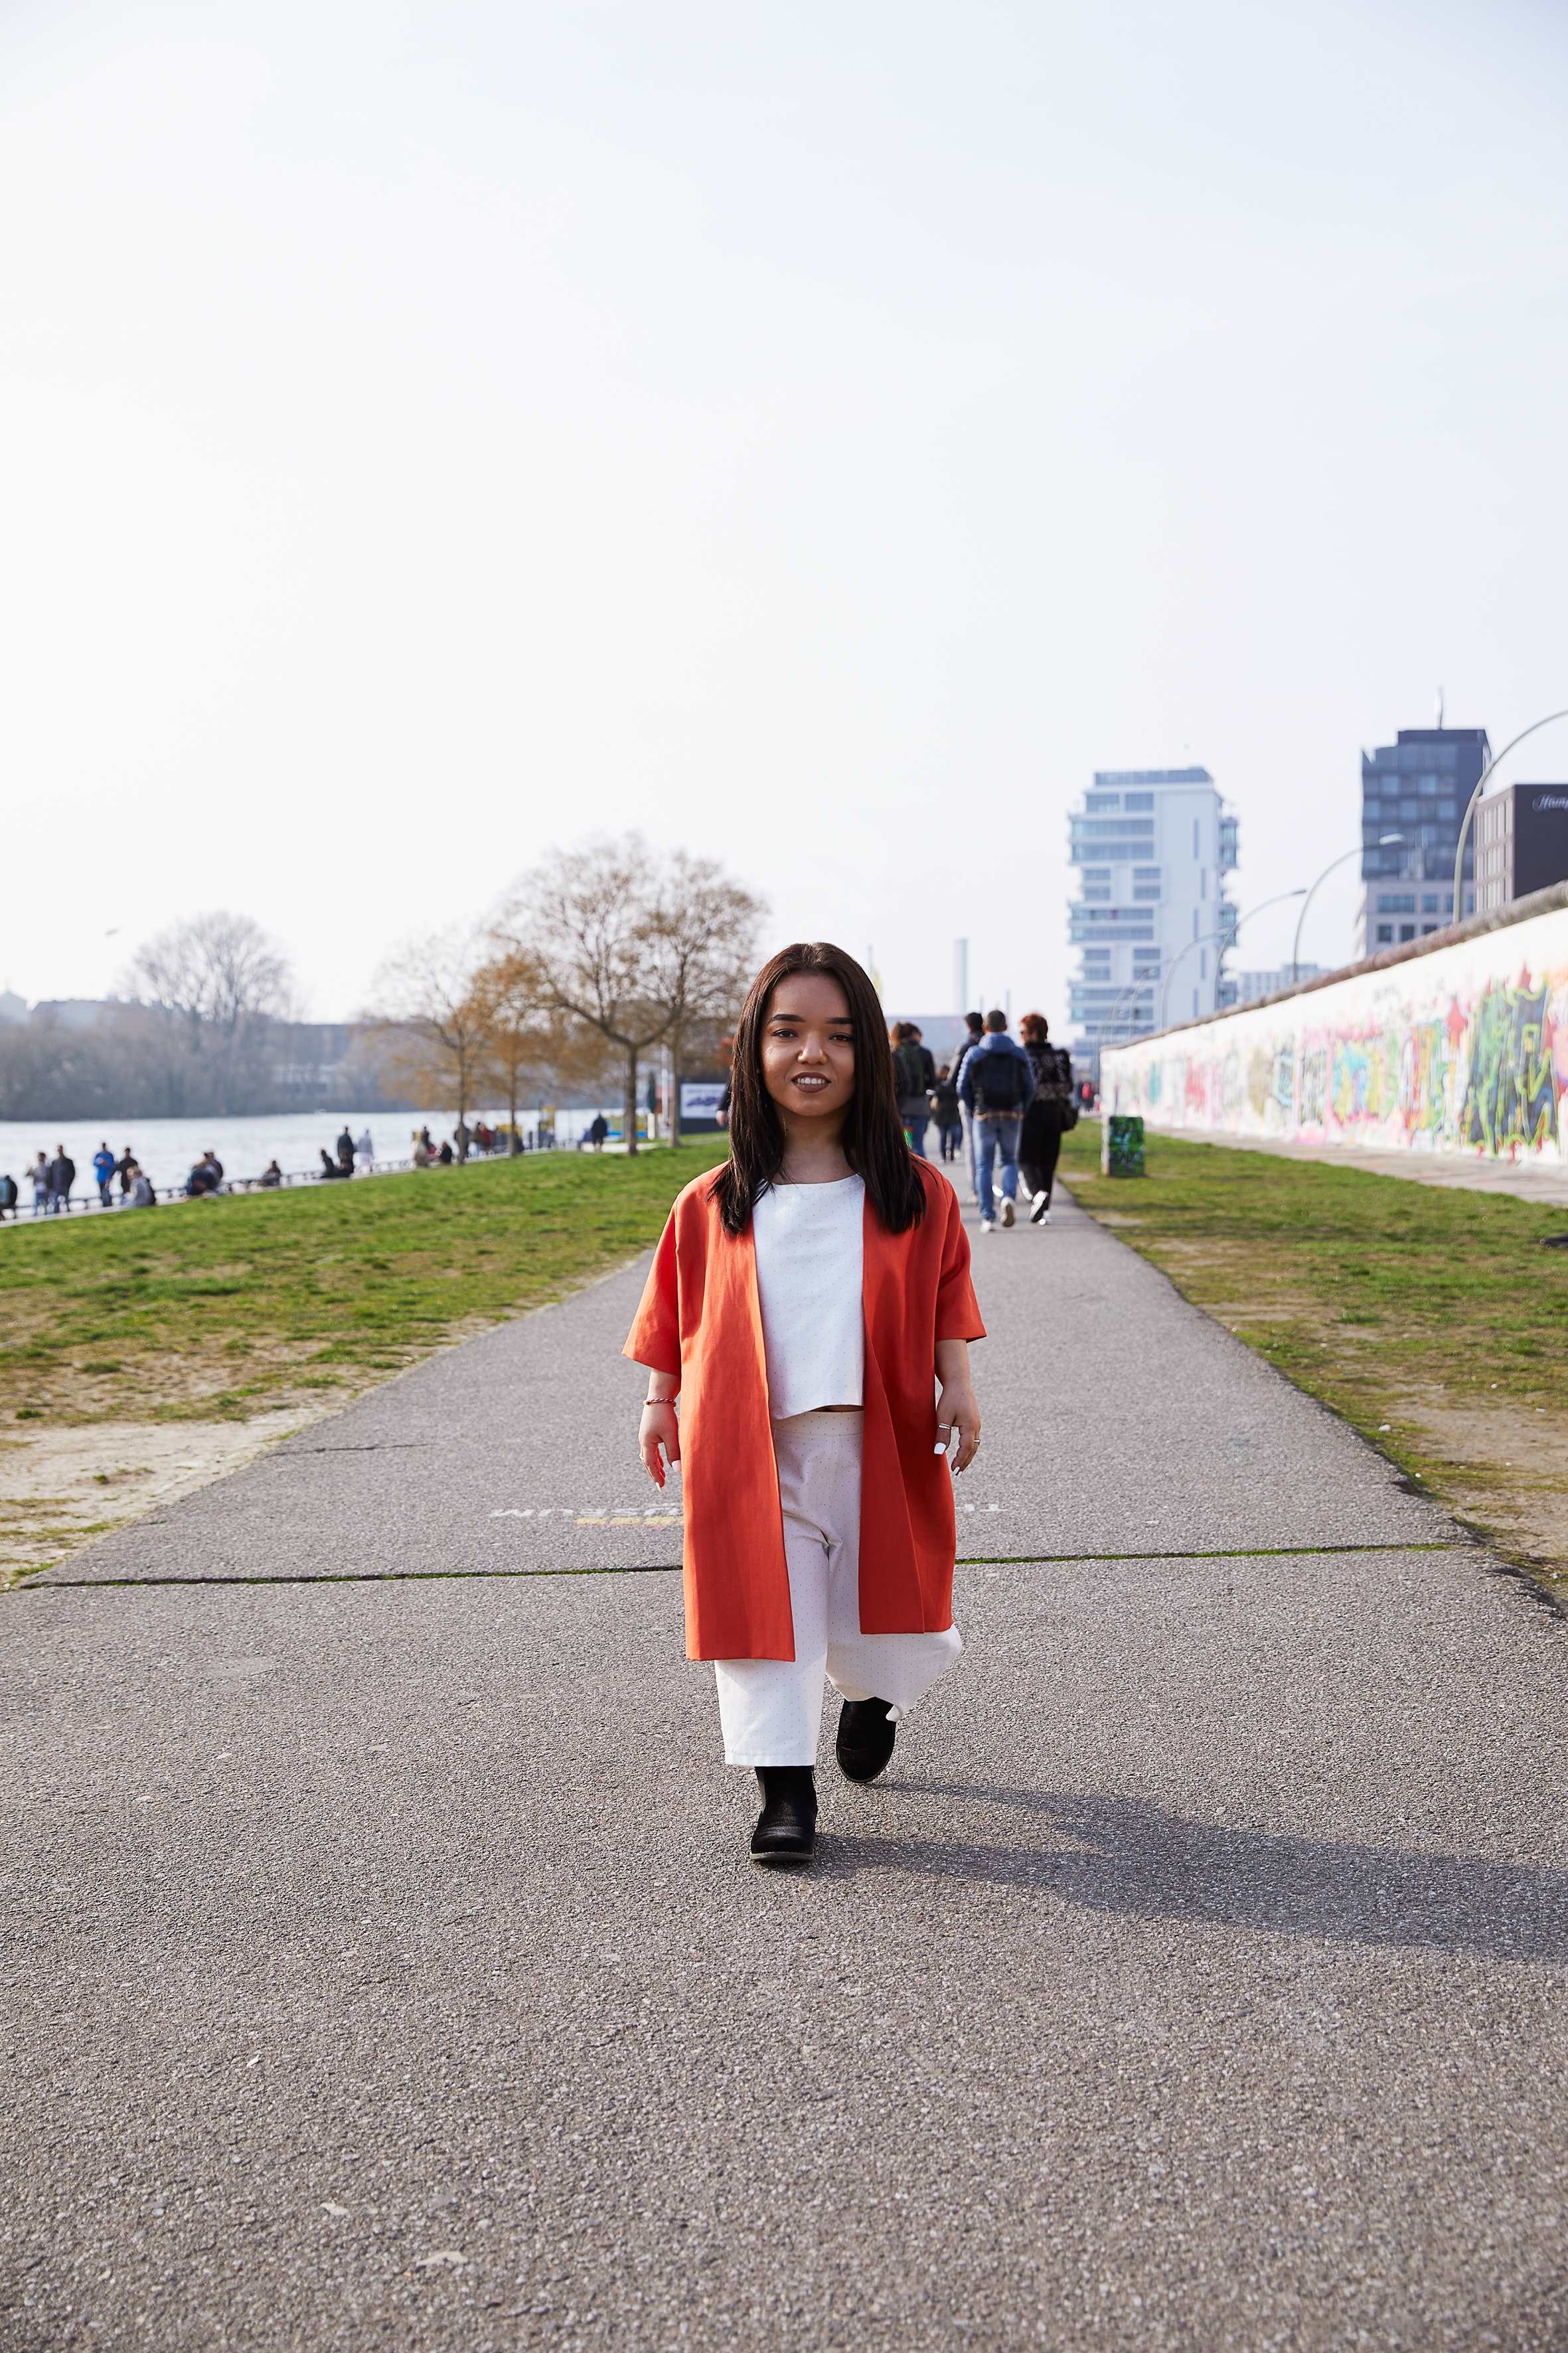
385,1969
1118,1419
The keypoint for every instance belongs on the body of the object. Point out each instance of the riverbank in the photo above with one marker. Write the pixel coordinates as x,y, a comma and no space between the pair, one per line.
168,1148
239,1319
1433,1320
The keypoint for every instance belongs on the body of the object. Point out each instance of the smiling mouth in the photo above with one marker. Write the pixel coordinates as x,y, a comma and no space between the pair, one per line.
811,1083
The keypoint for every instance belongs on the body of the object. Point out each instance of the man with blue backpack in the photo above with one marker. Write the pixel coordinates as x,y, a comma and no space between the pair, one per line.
994,1086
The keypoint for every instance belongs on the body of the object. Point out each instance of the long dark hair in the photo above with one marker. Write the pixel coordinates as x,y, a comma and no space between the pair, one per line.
874,1140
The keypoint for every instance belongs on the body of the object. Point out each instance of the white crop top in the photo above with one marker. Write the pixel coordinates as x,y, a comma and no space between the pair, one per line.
809,1250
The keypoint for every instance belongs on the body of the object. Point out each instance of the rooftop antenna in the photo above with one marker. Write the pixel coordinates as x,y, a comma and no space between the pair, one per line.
1439,707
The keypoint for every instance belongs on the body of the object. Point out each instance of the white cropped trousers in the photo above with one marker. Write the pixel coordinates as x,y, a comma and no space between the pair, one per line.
771,1709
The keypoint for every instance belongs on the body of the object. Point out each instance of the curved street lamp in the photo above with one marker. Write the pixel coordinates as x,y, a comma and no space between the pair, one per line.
1113,1018
1385,842
1496,761
1226,937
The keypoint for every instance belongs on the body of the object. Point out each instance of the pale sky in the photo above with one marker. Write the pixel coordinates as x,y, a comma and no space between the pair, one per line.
818,434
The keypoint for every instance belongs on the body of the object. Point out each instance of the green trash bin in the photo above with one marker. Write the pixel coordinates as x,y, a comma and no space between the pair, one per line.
1121,1145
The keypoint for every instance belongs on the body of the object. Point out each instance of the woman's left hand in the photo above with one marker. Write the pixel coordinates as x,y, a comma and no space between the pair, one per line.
959,1409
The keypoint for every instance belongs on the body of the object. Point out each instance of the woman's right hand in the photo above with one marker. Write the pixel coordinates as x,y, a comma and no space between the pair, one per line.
660,1427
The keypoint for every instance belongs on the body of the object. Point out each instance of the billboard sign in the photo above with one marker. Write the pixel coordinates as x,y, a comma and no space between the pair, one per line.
699,1101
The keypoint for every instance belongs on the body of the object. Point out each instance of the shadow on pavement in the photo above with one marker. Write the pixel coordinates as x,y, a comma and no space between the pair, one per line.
1131,1857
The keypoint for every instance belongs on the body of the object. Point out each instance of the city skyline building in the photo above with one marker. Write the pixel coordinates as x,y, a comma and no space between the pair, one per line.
1151,921
1251,987
1521,843
1419,787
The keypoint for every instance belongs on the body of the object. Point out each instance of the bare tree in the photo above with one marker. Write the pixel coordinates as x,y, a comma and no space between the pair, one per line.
586,918
706,930
430,1018
217,981
218,969
631,947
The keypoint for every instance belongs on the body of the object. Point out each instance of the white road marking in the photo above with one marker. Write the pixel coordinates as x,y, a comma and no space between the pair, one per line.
605,1516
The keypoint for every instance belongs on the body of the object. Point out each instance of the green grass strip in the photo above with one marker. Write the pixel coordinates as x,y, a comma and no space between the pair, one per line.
1429,1317
226,1308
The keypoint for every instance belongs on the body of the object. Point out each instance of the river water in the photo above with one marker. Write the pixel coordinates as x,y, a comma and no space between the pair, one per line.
166,1148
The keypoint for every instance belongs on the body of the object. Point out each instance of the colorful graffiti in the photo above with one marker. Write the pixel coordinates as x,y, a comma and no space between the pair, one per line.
1464,1049
1122,1148
1512,1098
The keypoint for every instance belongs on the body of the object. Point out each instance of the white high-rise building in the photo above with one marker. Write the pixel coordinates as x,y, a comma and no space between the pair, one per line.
1151,921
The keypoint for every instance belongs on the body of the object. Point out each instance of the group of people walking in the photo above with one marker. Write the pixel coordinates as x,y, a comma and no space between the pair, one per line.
1004,1103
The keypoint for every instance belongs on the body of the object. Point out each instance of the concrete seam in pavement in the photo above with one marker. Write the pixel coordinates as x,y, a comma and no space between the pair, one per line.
672,1567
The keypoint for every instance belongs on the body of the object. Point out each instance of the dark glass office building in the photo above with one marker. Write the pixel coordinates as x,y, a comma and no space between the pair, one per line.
1418,788
1521,843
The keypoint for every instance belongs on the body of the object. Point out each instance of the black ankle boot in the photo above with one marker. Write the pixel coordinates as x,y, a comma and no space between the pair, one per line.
865,1737
787,1827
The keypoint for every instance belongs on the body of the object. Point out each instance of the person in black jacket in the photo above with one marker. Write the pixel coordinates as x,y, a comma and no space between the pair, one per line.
910,1085
62,1177
976,1025
944,1110
1051,1111
8,1198
995,1087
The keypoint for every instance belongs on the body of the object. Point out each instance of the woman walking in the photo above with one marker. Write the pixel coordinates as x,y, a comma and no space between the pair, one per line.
912,1083
944,1111
1051,1111
804,1303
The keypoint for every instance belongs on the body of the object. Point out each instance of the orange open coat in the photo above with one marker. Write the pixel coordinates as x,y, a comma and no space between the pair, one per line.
699,1318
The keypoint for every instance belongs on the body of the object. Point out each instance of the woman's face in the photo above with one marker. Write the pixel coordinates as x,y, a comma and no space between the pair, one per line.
808,1047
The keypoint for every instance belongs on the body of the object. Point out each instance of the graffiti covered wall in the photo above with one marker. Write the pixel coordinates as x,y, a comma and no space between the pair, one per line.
1463,1050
